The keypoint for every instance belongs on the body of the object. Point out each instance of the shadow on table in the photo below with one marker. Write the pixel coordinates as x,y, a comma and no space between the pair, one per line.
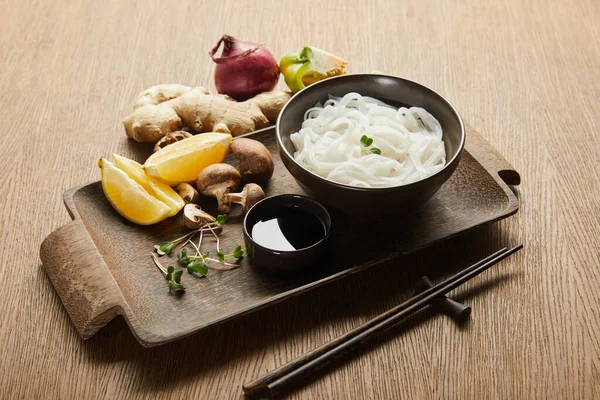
281,330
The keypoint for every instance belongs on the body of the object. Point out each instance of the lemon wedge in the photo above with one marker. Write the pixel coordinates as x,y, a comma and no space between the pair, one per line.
161,191
129,198
184,160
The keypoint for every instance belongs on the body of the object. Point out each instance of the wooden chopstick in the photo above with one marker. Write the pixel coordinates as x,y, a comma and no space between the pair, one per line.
277,380
262,382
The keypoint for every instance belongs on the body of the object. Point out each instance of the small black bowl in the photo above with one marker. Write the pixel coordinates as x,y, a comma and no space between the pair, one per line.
278,262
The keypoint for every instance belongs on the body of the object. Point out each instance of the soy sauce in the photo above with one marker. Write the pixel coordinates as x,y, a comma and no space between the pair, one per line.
288,228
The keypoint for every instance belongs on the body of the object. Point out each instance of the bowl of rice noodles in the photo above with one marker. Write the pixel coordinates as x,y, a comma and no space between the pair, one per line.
370,144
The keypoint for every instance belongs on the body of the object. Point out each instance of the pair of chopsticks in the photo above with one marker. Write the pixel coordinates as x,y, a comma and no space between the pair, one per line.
276,382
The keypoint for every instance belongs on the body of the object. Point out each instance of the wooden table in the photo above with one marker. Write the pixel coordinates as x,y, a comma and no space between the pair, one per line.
524,74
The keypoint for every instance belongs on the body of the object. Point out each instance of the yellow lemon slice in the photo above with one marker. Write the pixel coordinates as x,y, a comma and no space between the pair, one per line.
182,161
129,198
161,191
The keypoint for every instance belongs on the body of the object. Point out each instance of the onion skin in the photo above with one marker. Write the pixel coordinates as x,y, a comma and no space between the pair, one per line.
244,69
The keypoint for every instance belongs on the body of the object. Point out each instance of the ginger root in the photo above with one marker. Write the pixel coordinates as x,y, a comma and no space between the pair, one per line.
163,109
161,93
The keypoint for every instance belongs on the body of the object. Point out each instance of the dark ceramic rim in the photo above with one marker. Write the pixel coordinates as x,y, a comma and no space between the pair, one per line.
291,196
315,87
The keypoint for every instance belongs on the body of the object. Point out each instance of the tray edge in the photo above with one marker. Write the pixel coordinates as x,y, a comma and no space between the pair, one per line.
500,170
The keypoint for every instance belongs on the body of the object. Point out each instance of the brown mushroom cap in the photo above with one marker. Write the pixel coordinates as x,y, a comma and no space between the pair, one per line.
216,181
255,161
254,194
220,174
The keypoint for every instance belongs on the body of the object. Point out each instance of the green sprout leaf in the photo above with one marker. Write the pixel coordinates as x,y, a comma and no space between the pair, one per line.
365,142
198,267
164,248
221,219
183,258
174,280
176,287
238,252
169,275
177,276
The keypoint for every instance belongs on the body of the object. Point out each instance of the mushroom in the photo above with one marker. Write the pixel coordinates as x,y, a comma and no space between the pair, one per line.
194,217
188,193
255,161
217,180
250,195
171,138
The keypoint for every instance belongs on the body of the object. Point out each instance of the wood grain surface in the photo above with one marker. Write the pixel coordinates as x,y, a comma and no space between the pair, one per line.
524,73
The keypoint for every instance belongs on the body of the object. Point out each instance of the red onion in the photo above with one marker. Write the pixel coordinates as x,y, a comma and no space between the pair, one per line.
244,69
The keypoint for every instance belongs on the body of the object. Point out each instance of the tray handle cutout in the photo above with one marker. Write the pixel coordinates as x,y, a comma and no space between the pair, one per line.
489,157
81,278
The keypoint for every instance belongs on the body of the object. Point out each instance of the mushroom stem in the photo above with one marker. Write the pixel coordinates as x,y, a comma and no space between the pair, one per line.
217,180
250,195
222,196
238,198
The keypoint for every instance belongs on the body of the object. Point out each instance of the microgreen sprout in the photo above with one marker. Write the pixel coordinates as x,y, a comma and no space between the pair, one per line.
198,268
366,143
200,257
197,264
237,253
165,248
190,263
174,279
183,258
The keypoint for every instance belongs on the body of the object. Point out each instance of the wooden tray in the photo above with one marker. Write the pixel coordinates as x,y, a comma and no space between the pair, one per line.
100,263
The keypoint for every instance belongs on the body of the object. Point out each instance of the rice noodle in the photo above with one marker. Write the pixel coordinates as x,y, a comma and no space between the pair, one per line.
329,142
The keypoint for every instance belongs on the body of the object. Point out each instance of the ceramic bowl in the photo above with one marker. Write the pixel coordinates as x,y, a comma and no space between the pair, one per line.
374,202
288,262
